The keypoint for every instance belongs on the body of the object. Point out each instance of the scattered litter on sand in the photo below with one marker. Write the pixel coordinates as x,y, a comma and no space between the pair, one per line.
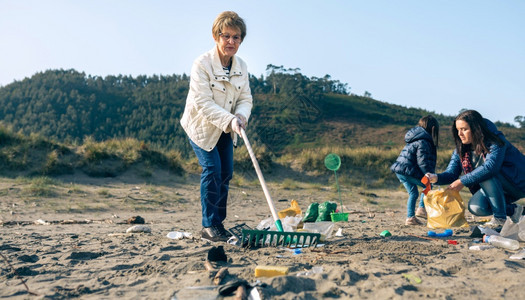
138,228
96,257
178,235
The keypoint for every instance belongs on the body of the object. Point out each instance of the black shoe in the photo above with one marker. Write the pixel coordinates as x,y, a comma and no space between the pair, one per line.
223,231
213,234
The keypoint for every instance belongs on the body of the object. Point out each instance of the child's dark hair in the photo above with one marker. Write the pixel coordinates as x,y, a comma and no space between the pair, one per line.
431,125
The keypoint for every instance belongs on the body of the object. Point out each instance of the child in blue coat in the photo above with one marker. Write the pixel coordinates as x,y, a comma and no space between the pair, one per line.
417,158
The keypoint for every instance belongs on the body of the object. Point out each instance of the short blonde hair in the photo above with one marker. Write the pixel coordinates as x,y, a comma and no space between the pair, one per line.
228,19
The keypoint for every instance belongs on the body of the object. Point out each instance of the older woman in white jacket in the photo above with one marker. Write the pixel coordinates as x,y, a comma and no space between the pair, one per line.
218,105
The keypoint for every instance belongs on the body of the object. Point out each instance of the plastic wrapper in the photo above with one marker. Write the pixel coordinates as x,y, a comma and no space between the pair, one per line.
515,231
265,224
293,222
291,211
289,224
324,228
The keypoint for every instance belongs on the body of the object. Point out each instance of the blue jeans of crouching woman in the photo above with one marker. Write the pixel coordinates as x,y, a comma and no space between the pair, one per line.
217,171
411,184
496,197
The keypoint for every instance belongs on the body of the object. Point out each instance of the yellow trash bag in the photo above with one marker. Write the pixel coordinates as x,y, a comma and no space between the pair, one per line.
445,209
291,211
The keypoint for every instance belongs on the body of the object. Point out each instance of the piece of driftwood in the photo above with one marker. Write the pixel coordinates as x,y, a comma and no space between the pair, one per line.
208,266
240,293
220,275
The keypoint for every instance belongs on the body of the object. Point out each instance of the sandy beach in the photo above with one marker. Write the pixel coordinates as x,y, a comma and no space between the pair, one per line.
68,240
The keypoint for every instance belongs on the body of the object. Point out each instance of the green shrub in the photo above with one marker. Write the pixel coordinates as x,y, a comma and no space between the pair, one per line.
243,162
40,187
175,162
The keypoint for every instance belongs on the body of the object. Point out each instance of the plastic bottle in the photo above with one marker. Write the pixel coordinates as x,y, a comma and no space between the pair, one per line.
446,233
501,242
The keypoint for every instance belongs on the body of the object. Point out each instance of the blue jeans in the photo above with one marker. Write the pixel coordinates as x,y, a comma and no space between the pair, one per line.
496,197
217,171
411,185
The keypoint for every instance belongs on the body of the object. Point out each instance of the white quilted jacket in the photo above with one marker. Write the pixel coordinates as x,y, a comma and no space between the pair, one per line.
213,99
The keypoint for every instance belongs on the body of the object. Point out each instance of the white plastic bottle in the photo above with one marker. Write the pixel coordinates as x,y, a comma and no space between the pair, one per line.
501,242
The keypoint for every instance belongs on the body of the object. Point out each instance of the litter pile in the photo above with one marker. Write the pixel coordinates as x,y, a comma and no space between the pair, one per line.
298,230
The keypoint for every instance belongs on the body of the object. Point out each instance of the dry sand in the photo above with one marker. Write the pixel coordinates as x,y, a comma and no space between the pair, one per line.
79,249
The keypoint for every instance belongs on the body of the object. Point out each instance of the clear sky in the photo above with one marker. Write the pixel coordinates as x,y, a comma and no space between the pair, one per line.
438,55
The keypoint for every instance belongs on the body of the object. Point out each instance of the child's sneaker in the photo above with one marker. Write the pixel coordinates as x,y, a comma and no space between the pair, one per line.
495,223
421,212
413,221
518,211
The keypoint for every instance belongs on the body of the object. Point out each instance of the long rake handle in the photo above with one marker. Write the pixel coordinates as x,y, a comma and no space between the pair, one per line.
262,181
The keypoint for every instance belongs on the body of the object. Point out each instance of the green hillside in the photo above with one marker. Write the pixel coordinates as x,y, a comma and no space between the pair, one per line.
66,112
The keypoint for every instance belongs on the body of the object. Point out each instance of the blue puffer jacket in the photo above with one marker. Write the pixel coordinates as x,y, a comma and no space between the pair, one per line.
418,156
506,160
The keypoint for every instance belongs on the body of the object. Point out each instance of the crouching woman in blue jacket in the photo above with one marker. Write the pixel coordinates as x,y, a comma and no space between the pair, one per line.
493,169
